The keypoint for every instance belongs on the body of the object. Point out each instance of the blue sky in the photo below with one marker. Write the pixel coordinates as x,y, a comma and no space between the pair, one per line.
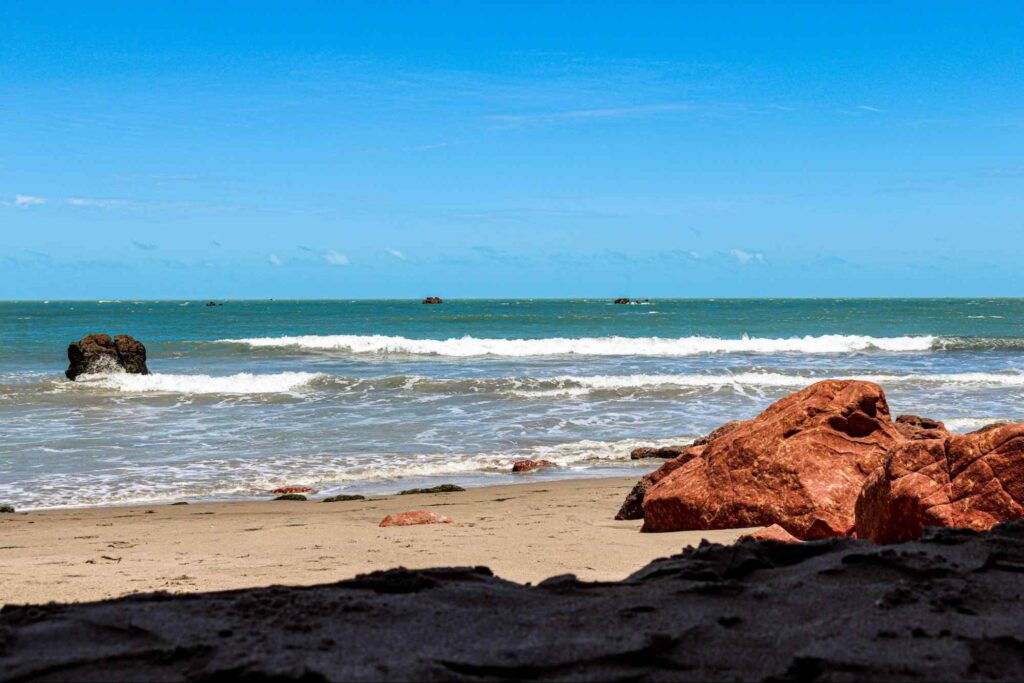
303,149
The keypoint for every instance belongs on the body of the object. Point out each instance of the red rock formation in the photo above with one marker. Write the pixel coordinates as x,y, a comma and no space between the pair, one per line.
413,518
967,480
530,465
772,533
799,464
294,489
632,507
914,427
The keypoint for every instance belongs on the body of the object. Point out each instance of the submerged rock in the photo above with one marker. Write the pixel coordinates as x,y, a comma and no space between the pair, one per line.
443,488
414,518
342,498
98,353
800,464
530,465
972,481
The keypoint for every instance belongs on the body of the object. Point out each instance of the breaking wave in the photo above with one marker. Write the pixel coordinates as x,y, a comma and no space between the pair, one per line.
587,346
242,383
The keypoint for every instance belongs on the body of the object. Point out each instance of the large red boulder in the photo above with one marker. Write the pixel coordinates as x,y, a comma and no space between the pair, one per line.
799,464
98,354
967,480
633,506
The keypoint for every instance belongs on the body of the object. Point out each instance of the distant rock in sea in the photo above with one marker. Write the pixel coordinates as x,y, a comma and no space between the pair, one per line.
98,353
433,300
212,303
623,300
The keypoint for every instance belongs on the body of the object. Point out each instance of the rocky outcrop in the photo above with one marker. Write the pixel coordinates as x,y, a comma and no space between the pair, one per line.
943,608
800,464
433,300
530,465
414,518
632,507
971,480
98,353
914,427
622,300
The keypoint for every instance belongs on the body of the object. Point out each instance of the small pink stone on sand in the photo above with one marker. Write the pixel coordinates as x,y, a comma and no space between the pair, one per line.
414,517
293,489
772,533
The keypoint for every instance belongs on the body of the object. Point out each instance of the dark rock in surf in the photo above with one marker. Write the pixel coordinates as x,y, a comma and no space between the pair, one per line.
8,509
98,353
443,488
433,300
210,304
530,465
664,452
622,300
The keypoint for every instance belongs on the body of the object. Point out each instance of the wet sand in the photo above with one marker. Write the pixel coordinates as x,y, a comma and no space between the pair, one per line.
524,532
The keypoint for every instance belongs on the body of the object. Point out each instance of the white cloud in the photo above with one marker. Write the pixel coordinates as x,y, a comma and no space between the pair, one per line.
336,258
865,107
745,257
397,254
23,201
275,260
600,113
100,203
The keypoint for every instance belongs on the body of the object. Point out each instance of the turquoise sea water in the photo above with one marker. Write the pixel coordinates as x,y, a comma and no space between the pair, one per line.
372,396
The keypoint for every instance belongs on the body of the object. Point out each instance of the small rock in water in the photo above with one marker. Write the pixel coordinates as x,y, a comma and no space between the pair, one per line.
6,508
433,300
292,496
622,300
664,452
443,488
343,498
294,489
529,465
414,518
212,303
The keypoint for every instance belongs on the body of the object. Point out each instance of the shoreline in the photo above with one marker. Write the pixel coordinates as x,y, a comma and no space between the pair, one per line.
524,532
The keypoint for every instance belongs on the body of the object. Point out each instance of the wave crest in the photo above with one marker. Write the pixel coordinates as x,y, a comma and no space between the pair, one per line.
587,346
241,383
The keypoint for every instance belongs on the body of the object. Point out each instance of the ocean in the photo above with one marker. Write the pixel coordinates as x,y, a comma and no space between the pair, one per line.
376,396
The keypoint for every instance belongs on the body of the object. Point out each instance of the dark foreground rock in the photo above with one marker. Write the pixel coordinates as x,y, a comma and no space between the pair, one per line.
944,608
98,353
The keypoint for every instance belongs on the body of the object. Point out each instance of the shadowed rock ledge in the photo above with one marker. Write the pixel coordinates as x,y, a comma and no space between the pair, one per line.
945,607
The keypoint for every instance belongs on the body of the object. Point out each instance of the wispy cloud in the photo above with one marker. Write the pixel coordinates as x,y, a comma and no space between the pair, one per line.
397,254
335,258
23,201
275,260
745,257
591,114
100,203
864,107
144,246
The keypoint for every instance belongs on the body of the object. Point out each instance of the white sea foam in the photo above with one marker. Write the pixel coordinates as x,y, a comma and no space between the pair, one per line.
242,383
970,424
588,346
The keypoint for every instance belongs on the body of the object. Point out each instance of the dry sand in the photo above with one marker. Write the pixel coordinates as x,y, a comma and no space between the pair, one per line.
524,532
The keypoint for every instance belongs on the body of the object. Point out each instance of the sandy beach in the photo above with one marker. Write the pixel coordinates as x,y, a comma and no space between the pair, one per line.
524,532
